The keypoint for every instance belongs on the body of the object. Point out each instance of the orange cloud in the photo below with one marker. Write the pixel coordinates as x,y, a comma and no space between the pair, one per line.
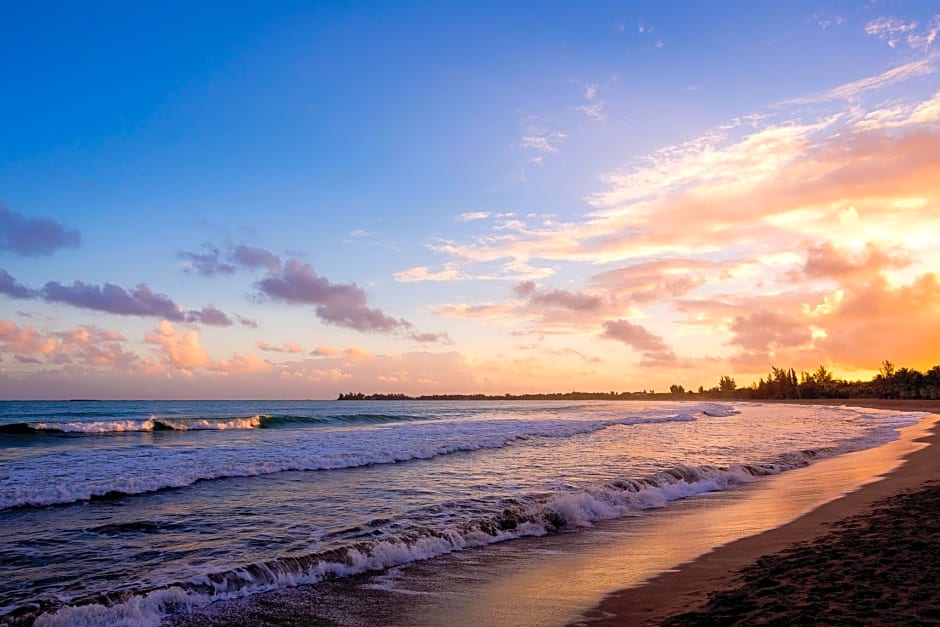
25,340
180,350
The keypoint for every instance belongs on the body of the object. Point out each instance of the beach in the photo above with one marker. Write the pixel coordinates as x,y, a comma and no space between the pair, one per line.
868,557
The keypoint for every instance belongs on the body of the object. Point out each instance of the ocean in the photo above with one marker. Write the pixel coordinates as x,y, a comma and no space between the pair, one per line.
137,512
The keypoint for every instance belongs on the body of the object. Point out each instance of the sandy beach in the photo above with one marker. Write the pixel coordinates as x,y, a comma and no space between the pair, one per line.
868,557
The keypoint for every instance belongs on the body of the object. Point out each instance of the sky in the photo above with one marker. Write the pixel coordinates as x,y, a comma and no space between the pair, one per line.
293,200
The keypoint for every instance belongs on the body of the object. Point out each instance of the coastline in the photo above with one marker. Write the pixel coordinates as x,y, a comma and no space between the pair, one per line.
687,590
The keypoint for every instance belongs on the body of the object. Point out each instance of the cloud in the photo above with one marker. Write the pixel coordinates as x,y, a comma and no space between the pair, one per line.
473,215
563,299
342,304
208,264
423,273
111,298
352,354
889,29
24,340
210,315
765,331
246,322
10,287
179,350
240,363
590,91
635,336
431,338
252,257
286,347
33,237
216,262
828,261
825,21
594,110
854,89
82,345
541,141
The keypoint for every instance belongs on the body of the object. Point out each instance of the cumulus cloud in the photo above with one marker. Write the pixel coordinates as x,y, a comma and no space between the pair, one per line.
635,336
24,340
829,261
209,263
342,304
179,350
114,299
111,298
765,331
210,315
217,262
10,287
82,346
253,257
33,237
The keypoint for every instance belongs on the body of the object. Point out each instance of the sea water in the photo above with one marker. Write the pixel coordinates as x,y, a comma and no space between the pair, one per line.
137,512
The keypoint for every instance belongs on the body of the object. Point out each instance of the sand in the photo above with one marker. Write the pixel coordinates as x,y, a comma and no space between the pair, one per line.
869,557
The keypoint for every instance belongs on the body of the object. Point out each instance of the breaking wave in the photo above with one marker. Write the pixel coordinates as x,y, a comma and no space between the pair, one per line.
520,518
122,483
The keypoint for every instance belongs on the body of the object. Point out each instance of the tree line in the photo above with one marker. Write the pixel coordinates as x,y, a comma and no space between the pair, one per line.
780,383
783,383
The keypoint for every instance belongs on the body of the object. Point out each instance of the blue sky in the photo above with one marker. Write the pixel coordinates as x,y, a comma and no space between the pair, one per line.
371,141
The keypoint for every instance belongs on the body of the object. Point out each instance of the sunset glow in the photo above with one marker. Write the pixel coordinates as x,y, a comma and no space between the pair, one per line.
303,202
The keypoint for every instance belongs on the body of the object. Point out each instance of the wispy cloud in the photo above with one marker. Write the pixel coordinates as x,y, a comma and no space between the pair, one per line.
594,110
542,141
848,91
286,347
889,29
826,21
470,216
422,273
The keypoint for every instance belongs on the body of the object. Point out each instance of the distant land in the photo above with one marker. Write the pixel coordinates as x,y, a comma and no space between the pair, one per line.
781,384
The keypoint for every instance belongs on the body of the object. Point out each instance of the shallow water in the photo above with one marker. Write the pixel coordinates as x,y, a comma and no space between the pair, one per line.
137,511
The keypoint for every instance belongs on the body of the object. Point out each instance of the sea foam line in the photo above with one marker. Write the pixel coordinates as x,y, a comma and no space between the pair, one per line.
22,491
574,509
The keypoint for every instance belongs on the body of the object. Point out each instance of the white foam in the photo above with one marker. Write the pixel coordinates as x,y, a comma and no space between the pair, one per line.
576,509
40,480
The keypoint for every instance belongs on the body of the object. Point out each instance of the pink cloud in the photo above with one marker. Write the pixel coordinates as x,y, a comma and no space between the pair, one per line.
634,336
179,350
25,340
286,347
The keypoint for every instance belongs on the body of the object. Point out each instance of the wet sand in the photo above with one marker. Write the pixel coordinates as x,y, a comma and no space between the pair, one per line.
867,557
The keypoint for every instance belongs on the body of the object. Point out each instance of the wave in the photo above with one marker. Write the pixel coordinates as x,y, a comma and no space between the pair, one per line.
173,475
101,427
572,509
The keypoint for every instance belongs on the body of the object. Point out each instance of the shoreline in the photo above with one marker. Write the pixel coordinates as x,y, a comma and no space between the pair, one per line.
688,588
